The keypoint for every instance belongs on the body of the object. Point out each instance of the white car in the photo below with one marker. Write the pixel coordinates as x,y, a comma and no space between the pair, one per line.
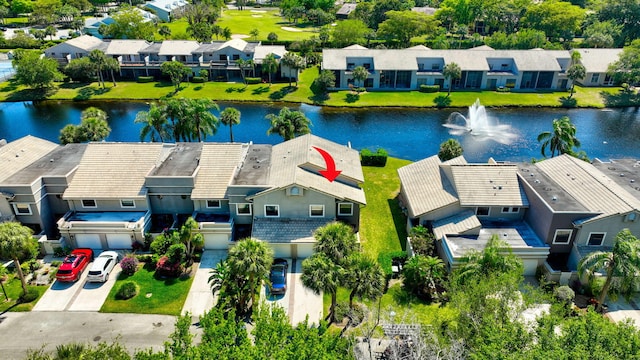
102,266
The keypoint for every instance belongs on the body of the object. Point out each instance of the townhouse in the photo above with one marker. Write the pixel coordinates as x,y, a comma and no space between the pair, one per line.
110,195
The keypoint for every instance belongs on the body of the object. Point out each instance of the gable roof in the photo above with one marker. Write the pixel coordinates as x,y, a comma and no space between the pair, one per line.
85,42
426,187
461,223
57,163
598,60
126,47
21,153
178,47
488,185
114,171
261,52
218,164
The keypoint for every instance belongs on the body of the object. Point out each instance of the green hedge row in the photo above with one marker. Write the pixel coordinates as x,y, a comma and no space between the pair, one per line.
145,79
369,158
197,79
429,88
253,80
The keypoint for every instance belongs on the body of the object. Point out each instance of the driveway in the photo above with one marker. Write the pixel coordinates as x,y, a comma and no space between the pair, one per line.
78,296
200,300
621,309
298,301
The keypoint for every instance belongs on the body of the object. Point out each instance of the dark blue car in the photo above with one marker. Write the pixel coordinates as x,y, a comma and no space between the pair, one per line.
278,277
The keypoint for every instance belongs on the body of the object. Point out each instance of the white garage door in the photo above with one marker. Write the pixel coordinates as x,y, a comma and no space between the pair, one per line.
91,241
305,250
216,241
281,251
119,241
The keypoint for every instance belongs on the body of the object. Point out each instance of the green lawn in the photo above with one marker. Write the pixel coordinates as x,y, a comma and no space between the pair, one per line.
167,295
14,289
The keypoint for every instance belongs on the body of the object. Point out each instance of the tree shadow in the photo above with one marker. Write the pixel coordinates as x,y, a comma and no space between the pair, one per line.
568,102
399,220
87,92
621,99
260,90
198,88
442,101
31,94
236,89
278,95
319,99
74,85
163,84
351,98
12,86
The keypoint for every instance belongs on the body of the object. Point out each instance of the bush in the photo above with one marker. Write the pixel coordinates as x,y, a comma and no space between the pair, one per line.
177,253
360,89
422,241
369,158
162,242
56,263
127,290
61,251
165,267
387,260
129,264
564,294
503,89
148,239
145,79
30,266
253,80
197,79
146,258
29,296
429,88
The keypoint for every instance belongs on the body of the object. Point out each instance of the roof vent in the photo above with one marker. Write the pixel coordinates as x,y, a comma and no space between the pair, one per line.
621,174
632,181
554,198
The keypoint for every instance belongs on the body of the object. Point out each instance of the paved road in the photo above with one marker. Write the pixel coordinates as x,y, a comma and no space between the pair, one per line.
30,330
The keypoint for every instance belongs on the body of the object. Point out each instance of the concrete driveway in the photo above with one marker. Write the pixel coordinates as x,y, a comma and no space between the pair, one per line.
200,299
78,296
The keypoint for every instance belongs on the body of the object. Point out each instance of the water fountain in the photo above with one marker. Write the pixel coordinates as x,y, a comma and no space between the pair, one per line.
479,125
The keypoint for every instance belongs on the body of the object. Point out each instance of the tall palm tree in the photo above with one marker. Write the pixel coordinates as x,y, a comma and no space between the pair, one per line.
94,129
366,278
360,74
173,109
497,257
242,64
621,265
99,60
250,261
230,116
576,71
288,124
320,274
154,123
200,120
451,71
336,240
561,140
270,65
112,65
16,242
423,274
293,62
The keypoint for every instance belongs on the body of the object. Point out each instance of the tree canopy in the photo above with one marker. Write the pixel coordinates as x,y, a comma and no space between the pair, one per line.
35,71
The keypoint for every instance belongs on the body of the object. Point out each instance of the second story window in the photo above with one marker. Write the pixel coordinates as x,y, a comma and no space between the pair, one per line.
316,210
243,209
596,239
22,209
213,204
482,211
272,210
127,203
345,209
89,203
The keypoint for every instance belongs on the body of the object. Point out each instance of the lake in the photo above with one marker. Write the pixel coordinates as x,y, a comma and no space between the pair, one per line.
405,133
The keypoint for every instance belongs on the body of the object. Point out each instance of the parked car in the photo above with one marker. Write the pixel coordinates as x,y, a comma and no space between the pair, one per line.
74,264
278,277
102,266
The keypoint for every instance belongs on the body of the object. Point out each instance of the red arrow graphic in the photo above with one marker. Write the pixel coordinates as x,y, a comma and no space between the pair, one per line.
331,173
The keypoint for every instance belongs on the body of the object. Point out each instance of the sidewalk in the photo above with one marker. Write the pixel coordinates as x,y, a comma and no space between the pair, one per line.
622,309
200,299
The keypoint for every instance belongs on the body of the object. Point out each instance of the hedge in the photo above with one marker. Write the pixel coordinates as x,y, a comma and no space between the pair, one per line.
369,158
429,88
197,79
385,259
145,79
253,80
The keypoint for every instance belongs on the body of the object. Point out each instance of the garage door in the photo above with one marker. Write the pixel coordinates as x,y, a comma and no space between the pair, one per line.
305,250
216,241
281,251
119,241
91,241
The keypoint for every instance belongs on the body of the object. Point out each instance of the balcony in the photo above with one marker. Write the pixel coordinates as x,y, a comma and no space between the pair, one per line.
208,221
131,220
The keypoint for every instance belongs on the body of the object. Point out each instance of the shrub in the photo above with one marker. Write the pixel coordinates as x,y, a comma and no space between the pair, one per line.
61,251
253,80
564,294
162,242
56,263
129,264
387,260
197,79
360,89
145,79
29,296
503,89
429,88
127,290
148,239
369,158
30,266
52,274
146,258
422,240
177,253
165,267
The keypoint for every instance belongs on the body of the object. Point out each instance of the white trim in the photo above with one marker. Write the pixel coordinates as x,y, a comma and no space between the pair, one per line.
510,210
17,212
488,211
95,204
604,236
213,207
340,213
311,213
244,214
122,205
568,238
277,209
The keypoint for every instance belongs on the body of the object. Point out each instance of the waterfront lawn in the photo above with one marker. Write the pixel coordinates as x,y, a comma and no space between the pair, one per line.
167,295
14,290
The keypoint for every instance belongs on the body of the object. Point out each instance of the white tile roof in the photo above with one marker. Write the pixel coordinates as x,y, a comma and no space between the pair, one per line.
126,47
114,170
237,44
460,223
488,185
589,186
426,187
218,163
598,60
21,153
261,52
85,42
177,47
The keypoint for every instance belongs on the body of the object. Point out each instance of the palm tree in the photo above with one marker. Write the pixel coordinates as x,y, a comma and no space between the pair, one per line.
174,110
621,265
293,62
94,129
360,74
451,71
576,70
230,116
201,122
99,59
562,140
288,124
336,240
112,65
366,278
320,274
154,123
497,257
270,65
242,64
250,261
423,274
450,149
191,238
17,242
93,112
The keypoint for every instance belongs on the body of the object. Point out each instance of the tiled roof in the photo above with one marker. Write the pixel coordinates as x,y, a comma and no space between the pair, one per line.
425,186
114,170
283,230
85,42
262,51
598,60
488,185
21,153
460,223
178,47
218,164
126,47
58,163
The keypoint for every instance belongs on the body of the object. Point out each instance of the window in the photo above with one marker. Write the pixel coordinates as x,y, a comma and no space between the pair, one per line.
350,66
595,78
272,210
89,203
22,209
562,236
243,209
345,209
127,203
223,57
213,204
316,210
236,57
435,66
596,239
367,66
513,210
482,211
